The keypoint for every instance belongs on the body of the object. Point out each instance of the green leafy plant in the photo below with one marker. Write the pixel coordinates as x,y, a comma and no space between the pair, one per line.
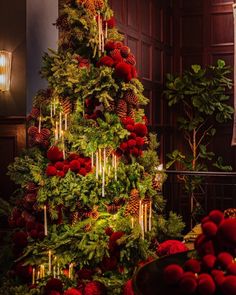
199,96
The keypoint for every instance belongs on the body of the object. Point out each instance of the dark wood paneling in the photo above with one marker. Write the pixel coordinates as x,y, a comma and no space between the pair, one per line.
12,141
147,27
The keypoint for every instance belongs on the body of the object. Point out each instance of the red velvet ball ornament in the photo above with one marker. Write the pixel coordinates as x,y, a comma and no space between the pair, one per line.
109,231
30,225
132,135
20,239
209,261
61,173
94,288
206,285
224,259
219,277
140,129
209,228
51,171
54,285
123,71
128,288
83,171
170,247
127,121
33,234
204,246
66,168
131,143
72,291
73,156
139,141
54,154
192,265
113,238
116,56
110,45
227,232
216,216
231,269
134,151
106,61
111,22
75,165
124,146
228,286
130,127
173,273
188,284
59,165
118,44
88,167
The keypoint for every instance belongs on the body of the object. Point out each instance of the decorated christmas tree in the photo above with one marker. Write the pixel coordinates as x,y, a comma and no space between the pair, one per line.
89,208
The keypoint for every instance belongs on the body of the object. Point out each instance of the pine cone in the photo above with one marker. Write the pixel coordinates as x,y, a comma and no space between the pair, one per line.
121,108
87,227
99,4
131,112
66,105
38,139
131,98
158,181
131,60
74,218
112,208
32,131
132,207
45,133
230,213
62,23
111,106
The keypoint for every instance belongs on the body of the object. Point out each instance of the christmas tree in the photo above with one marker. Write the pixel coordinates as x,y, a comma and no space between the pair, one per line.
89,207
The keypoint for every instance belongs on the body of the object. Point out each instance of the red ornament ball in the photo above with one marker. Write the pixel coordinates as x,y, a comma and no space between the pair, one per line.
85,274
188,284
128,288
228,286
83,171
110,45
216,216
125,51
106,61
51,170
54,154
224,259
140,129
231,269
171,247
111,22
209,228
130,127
131,143
209,261
123,71
59,165
206,285
173,273
192,265
94,288
227,232
75,165
139,141
72,291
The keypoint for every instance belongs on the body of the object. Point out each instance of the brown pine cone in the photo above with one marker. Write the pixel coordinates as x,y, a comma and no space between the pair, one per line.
87,227
131,112
111,106
66,104
74,218
112,208
32,131
132,207
45,133
131,98
121,108
131,60
38,139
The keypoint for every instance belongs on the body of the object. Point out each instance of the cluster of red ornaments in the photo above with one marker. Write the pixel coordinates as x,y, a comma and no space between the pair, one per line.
59,167
215,269
121,59
135,142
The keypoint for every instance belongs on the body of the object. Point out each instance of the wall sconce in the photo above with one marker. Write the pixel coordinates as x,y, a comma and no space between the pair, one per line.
5,70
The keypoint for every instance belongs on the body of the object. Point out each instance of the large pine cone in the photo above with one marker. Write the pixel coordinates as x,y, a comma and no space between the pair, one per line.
121,108
112,208
131,112
66,104
111,106
131,98
132,207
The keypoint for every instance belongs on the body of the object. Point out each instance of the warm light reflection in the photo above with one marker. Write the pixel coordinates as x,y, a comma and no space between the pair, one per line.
5,70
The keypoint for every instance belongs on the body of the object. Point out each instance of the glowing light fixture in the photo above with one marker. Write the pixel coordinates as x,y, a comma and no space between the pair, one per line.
5,70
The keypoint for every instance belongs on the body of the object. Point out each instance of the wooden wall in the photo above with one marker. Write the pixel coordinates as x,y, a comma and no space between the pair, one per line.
203,33
147,27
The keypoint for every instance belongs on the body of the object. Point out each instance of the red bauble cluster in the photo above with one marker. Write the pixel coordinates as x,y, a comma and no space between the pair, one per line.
121,59
135,142
59,167
170,247
82,62
215,270
37,138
